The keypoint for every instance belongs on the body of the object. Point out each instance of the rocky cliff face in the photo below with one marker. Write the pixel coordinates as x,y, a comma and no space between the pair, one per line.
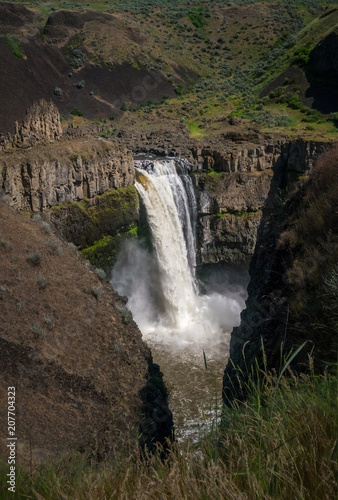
229,214
288,302
41,167
42,124
233,194
63,172
300,155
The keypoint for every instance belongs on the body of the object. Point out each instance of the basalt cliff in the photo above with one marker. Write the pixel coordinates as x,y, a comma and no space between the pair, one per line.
292,291
44,168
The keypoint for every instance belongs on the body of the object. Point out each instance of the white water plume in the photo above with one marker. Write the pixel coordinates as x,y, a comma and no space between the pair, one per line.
161,286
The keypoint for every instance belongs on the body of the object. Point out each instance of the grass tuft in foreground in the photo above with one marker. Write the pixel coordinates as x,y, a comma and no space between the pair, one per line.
281,443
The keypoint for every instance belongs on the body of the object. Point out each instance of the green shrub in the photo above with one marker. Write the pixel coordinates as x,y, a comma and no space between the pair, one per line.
76,112
294,102
179,89
14,46
302,55
196,16
127,316
97,292
5,244
100,273
39,330
49,320
78,59
80,85
41,281
53,245
46,227
334,118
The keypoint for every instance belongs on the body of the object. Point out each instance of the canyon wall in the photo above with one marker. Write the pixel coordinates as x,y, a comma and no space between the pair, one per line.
51,174
233,187
289,301
42,166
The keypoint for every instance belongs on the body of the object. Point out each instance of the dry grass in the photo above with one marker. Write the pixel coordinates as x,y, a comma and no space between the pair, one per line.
280,444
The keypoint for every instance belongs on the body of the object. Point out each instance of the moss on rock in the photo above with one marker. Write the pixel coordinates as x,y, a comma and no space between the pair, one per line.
97,229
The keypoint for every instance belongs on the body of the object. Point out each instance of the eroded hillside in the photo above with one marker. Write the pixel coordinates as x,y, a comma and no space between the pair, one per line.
68,345
208,69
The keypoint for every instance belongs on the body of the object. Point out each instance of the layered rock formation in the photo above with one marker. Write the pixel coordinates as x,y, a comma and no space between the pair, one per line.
41,125
232,196
56,173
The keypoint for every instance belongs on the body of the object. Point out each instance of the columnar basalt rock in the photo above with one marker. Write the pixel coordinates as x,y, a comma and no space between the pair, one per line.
46,176
42,124
299,156
235,189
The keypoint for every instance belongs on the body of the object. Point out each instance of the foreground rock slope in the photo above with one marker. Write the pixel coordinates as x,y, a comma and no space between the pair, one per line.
76,363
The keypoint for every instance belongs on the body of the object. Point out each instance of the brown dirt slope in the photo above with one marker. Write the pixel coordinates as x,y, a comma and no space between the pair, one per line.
77,365
47,64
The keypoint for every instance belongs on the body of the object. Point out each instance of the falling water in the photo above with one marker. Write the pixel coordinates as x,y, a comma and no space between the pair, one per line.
165,199
181,325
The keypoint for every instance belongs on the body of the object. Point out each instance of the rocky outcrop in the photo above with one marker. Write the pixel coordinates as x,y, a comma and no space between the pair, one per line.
42,124
229,214
98,229
235,190
299,155
240,159
227,237
56,174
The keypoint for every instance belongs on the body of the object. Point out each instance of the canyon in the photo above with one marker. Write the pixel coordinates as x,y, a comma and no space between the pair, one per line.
83,185
42,167
169,248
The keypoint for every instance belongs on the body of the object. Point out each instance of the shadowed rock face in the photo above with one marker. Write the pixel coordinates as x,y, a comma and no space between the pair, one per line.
283,309
323,62
322,73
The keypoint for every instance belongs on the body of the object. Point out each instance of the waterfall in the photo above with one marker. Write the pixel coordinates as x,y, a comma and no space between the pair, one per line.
182,326
164,196
161,285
